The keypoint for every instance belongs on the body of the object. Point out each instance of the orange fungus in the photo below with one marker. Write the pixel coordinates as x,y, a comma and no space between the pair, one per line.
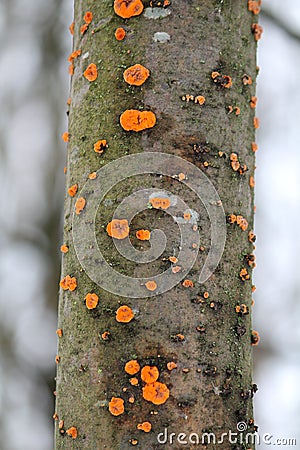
128,8
160,203
116,406
124,314
136,75
64,248
88,17
157,393
132,367
91,300
91,72
149,374
72,432
100,146
120,34
65,136
143,235
118,228
151,285
73,190
134,120
79,205
145,426
68,283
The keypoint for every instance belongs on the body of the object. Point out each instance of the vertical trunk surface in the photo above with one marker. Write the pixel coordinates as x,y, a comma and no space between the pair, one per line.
196,327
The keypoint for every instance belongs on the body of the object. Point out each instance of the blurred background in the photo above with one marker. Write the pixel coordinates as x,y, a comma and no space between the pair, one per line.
34,87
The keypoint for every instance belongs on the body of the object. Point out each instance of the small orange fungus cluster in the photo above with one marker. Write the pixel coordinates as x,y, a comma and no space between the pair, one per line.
257,30
236,165
91,300
187,283
88,17
242,309
80,205
256,122
68,283
237,110
254,146
59,332
251,237
136,75
65,136
151,285
171,365
254,6
157,393
246,79
116,406
72,432
160,203
73,190
91,72
239,220
196,99
221,80
149,374
255,338
143,235
92,176
128,8
244,275
120,34
145,426
64,248
134,120
132,367
100,146
253,102
118,228
124,314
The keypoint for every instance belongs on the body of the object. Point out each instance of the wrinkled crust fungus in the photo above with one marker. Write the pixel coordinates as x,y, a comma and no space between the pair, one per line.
149,374
157,393
160,203
145,426
79,205
91,72
128,8
151,285
73,190
143,235
68,283
72,431
132,367
118,228
100,146
116,406
91,300
120,34
136,75
124,314
134,120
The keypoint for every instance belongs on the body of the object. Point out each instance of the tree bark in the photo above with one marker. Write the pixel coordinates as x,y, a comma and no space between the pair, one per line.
197,327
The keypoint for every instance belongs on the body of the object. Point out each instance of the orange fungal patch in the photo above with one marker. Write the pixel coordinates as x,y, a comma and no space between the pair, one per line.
73,190
80,205
157,393
171,365
91,300
64,248
59,332
124,314
149,374
254,146
256,122
134,381
160,203
145,426
151,285
128,8
136,75
120,34
255,338
187,283
254,6
68,283
91,72
92,176
143,235
65,136
118,228
253,102
116,406
134,120
88,17
72,431
257,30
100,146
132,367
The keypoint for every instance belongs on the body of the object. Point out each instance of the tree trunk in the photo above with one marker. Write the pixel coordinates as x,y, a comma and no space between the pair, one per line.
203,325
